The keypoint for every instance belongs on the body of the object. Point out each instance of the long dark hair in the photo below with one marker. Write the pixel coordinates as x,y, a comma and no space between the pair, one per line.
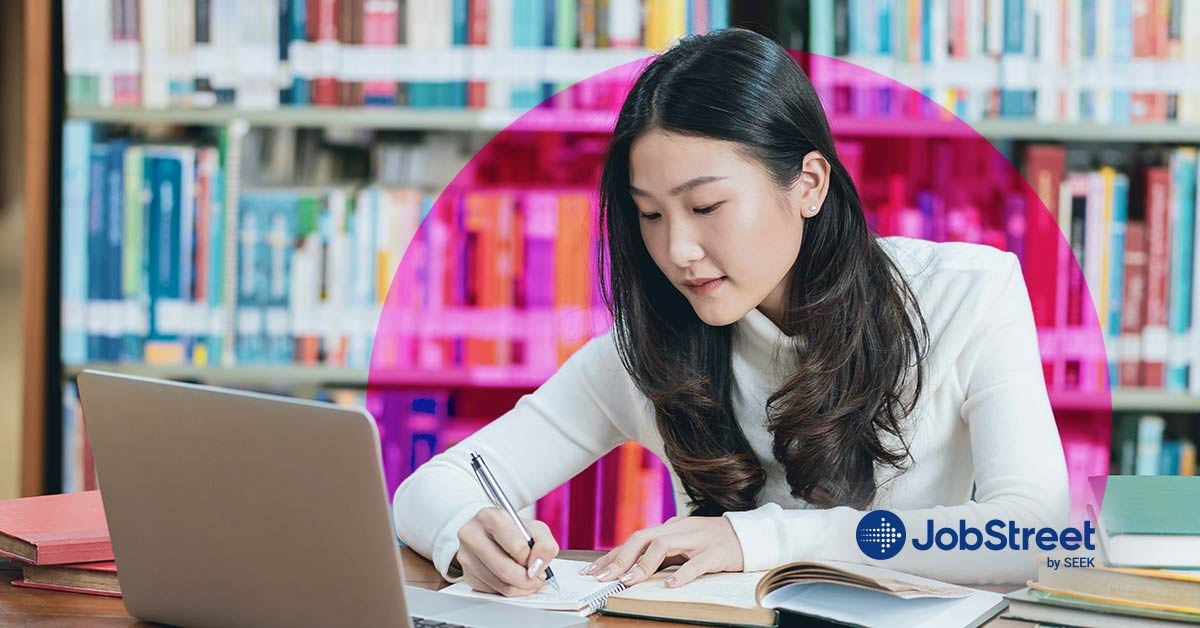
847,308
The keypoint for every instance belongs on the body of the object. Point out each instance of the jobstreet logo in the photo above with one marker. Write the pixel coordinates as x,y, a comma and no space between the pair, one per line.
881,535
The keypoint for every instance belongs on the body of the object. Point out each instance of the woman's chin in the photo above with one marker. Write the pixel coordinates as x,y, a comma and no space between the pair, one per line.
716,316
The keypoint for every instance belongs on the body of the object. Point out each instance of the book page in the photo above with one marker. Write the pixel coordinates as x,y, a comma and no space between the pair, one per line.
876,609
1187,575
900,584
575,589
726,589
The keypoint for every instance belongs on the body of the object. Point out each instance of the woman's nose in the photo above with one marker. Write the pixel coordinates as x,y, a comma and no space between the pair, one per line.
684,246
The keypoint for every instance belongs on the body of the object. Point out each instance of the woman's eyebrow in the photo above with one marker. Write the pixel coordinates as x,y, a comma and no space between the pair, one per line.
681,188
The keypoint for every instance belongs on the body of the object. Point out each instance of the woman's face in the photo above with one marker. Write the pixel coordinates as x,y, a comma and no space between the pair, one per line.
707,214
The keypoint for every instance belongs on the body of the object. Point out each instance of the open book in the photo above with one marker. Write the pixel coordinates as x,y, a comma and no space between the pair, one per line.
843,592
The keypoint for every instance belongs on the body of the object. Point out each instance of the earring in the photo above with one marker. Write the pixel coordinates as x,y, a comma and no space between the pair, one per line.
812,209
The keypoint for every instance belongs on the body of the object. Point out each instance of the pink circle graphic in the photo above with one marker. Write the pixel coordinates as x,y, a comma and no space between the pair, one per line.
498,285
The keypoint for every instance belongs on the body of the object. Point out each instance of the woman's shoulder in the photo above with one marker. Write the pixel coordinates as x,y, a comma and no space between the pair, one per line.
916,256
936,270
958,285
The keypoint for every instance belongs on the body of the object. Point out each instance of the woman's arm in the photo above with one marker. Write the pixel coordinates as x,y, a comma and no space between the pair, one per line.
1019,470
588,407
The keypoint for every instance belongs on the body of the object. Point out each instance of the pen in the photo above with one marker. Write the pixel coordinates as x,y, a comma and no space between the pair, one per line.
500,500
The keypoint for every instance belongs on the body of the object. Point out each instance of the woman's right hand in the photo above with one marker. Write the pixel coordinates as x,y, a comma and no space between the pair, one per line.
496,558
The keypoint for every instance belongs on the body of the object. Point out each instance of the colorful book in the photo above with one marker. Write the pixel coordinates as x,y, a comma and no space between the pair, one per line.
97,578
76,195
1155,334
55,529
1160,589
1149,521
1034,605
1183,220
1114,299
1133,303
1149,443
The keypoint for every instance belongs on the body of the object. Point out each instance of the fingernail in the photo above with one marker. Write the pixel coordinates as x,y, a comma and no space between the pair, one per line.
535,567
587,569
603,574
671,581
628,576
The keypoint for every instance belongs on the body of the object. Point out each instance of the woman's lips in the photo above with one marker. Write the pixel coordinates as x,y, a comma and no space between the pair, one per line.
705,288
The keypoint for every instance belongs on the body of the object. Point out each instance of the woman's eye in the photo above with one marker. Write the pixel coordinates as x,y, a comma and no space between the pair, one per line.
699,210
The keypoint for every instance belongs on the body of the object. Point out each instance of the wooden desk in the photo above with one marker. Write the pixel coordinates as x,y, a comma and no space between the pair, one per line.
37,608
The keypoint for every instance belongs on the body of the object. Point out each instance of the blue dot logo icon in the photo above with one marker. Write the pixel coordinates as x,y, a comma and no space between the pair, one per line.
880,534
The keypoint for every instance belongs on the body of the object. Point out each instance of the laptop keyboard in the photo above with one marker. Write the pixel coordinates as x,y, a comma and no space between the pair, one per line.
421,622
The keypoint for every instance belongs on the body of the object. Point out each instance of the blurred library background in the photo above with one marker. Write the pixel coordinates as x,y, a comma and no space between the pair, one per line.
225,192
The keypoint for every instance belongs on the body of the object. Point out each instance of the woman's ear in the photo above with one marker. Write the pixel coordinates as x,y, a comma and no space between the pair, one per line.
813,183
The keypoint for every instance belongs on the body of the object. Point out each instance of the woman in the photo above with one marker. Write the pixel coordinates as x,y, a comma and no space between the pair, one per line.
794,371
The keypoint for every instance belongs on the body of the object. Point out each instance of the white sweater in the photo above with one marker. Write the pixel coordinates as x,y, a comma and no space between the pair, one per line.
983,421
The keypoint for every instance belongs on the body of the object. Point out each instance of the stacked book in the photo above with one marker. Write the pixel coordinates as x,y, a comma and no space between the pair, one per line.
1146,570
61,543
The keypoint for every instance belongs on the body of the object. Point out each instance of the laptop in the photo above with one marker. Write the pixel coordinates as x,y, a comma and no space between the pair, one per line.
230,508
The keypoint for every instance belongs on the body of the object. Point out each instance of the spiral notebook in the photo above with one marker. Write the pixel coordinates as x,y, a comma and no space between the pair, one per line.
580,594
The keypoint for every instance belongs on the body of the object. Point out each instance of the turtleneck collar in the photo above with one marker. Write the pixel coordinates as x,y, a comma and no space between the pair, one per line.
761,342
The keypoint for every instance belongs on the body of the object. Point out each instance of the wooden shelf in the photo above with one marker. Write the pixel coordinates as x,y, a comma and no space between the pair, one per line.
386,118
494,120
305,376
1017,130
1028,130
501,377
1127,400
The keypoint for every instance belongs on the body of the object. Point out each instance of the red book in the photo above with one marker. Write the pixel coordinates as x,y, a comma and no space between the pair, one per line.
127,86
1133,307
380,24
325,20
608,508
553,509
89,465
91,578
350,18
571,278
631,496
1150,42
584,508
1158,276
1045,168
508,263
55,529
481,212
477,29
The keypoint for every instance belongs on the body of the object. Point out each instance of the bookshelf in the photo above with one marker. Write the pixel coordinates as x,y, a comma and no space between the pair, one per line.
313,153
310,376
440,119
1131,400
1092,102
571,125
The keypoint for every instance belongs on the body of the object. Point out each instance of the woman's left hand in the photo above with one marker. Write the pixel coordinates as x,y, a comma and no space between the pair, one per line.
701,544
